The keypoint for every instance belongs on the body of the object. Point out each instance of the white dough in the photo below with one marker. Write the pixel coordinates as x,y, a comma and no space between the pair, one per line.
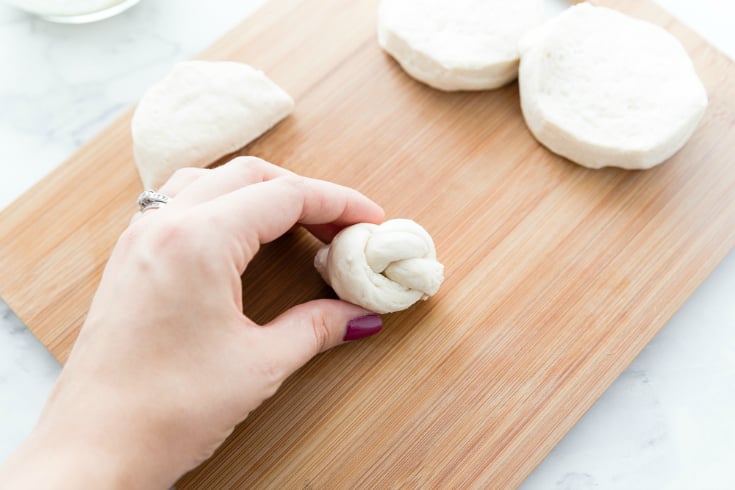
457,44
383,268
200,112
604,89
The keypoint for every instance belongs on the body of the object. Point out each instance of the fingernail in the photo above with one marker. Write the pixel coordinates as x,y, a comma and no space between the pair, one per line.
363,326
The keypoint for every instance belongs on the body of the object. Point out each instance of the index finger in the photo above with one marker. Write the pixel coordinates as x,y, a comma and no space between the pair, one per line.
262,212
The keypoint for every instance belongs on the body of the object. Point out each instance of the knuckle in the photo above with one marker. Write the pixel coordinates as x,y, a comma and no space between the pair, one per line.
247,163
176,238
185,173
173,243
320,329
246,160
293,192
155,231
294,180
171,230
269,370
248,170
131,235
273,376
295,185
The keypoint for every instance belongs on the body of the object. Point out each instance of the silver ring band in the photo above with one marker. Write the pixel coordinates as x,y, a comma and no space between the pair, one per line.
150,199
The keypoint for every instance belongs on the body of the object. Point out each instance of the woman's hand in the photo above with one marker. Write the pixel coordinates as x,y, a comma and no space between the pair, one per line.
166,363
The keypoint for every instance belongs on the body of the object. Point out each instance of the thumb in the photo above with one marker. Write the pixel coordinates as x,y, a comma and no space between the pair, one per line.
313,327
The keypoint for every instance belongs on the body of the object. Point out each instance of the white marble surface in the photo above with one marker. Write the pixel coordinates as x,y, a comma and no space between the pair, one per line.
666,423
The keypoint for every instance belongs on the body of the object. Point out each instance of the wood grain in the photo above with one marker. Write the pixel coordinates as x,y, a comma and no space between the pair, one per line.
557,276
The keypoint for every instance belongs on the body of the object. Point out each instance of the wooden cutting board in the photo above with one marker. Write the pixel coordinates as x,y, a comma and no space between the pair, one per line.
557,276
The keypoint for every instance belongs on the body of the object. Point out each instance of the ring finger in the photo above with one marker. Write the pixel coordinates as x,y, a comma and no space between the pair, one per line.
178,181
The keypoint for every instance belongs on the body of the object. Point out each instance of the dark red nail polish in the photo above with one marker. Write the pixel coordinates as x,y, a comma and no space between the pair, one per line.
364,326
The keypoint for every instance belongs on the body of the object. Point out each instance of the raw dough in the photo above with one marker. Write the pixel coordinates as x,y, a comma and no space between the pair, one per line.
200,112
457,44
383,268
604,89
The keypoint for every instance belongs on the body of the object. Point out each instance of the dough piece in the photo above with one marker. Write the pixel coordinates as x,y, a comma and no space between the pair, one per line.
200,112
383,268
604,89
457,44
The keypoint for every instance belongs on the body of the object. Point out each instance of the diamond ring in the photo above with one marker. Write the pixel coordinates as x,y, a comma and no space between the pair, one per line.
151,199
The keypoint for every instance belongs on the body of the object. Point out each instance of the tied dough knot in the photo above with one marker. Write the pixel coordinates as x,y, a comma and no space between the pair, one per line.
383,268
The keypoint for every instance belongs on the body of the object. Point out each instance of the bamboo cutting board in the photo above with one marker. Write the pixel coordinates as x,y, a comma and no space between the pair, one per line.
557,276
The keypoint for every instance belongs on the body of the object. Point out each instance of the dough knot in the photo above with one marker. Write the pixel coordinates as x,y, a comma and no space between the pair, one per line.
383,268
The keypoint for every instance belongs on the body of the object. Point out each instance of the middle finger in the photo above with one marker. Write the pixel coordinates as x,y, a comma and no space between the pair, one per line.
238,173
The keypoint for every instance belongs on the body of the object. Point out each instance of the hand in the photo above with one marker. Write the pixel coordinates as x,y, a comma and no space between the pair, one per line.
166,363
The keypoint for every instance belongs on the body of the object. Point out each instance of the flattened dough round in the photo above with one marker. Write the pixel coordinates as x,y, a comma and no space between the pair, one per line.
604,89
457,44
200,112
383,268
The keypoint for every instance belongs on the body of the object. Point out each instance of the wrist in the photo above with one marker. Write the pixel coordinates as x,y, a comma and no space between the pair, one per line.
86,446
49,459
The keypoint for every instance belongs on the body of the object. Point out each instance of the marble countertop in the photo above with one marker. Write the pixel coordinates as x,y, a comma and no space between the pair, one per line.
666,423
